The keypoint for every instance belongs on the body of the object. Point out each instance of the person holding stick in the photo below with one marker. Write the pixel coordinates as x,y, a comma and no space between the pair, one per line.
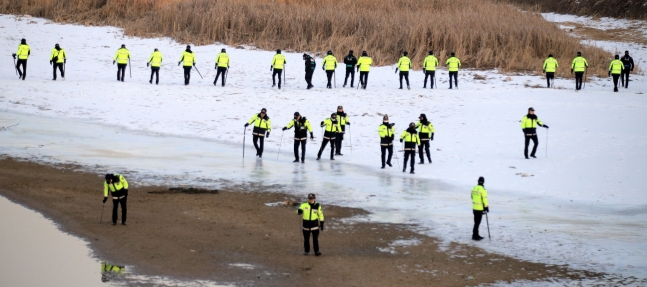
277,65
121,58
116,186
404,65
628,62
480,205
310,65
430,64
550,67
579,66
387,134
333,129
262,128
155,62
57,58
411,141
222,65
616,68
23,54
529,124
313,221
364,67
301,128
329,65
187,61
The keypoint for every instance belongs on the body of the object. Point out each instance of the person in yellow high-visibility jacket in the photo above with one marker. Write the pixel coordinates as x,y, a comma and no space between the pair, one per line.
430,64
387,134
404,65
426,133
277,67
453,64
579,66
116,186
329,65
313,221
364,67
616,68
57,58
480,205
262,129
188,62
111,271
155,61
122,58
529,125
222,66
411,140
550,67
23,54
332,130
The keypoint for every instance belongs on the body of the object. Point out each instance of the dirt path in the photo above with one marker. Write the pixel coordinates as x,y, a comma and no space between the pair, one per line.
204,236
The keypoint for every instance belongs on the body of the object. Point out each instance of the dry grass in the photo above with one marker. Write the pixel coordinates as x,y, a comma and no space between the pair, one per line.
484,34
629,9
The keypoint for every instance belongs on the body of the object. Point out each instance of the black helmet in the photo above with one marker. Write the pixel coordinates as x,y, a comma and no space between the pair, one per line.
431,52
278,51
481,180
405,53
364,53
329,53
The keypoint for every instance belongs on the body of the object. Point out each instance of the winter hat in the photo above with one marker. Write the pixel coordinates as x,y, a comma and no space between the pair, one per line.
156,50
296,114
452,54
188,47
350,52
333,115
223,50
329,53
626,52
579,53
278,51
423,116
340,107
56,45
550,55
385,118
531,109
364,53
431,52
23,41
263,110
617,57
481,180
123,45
405,53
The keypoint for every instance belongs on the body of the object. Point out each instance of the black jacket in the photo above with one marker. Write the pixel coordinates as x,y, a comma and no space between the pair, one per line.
628,62
350,61
310,64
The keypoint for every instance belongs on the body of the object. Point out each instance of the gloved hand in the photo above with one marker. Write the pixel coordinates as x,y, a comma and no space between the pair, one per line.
271,68
392,124
284,128
64,60
392,137
50,62
267,135
247,124
113,62
358,68
543,71
105,199
571,71
322,68
312,136
321,124
486,209
609,74
300,211
194,64
401,140
545,126
432,136
148,64
321,224
13,55
396,70
215,67
178,63
348,123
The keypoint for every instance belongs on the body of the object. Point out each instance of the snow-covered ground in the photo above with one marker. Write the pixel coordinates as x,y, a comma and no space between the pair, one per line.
581,205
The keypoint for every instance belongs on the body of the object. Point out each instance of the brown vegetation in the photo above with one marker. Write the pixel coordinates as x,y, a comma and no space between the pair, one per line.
484,34
629,9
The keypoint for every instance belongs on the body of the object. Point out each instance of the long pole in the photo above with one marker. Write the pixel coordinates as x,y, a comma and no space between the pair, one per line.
435,83
226,73
487,221
277,155
546,143
104,207
284,74
396,158
585,72
334,74
196,69
63,71
130,69
244,132
14,66
351,140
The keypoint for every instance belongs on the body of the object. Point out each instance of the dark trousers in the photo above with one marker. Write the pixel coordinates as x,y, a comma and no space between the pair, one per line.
350,72
616,77
478,216
534,148
404,75
329,74
338,140
23,72
408,153
309,78
332,147
578,80
115,204
302,143
431,75
259,149
155,71
60,68
363,79
306,240
424,146
220,70
277,72
121,72
187,74
624,75
455,75
549,76
384,149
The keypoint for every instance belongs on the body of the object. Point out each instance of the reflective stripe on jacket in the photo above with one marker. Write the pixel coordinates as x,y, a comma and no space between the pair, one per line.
364,64
115,186
479,198
430,63
23,52
550,65
278,61
616,67
222,60
453,64
188,59
579,64
156,59
122,56
59,54
404,64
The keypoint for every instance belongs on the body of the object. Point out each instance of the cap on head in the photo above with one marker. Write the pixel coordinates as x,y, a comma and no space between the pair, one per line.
385,118
531,109
626,52
423,116
405,53
579,53
617,57
351,52
278,51
412,124
452,54
23,41
188,47
550,55
364,53
329,53
296,114
340,107
333,115
109,176
312,196
156,50
223,50
56,45
431,52
263,110
481,180
123,45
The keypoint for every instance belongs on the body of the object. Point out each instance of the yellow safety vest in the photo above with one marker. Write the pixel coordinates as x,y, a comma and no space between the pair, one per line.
310,214
527,123
616,67
430,63
156,59
479,198
550,65
278,61
364,63
404,64
453,64
330,127
60,54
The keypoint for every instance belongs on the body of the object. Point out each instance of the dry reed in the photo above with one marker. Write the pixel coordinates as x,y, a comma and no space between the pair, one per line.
629,9
484,34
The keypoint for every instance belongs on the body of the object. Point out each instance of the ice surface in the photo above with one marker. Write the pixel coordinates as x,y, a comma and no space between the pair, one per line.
583,205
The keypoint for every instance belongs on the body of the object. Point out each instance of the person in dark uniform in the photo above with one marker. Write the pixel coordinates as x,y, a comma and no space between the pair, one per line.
387,134
480,206
301,127
426,134
310,69
529,124
350,62
313,221
411,139
117,187
628,62
262,128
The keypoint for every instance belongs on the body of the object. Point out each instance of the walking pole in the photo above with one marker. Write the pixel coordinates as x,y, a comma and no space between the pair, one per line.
196,69
245,131
585,72
104,207
435,83
277,155
284,74
334,74
63,71
396,158
351,140
487,221
226,73
546,143
14,66
130,69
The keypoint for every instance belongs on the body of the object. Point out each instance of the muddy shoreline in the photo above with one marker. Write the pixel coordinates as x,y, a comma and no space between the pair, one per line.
208,235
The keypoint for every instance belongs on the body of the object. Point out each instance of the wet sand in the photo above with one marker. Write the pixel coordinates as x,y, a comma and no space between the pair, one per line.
232,236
